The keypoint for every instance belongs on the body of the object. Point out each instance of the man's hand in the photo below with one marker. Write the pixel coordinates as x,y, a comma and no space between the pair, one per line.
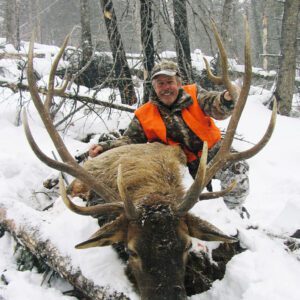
95,150
227,95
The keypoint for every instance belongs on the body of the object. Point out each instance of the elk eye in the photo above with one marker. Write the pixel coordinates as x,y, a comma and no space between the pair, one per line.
132,253
188,247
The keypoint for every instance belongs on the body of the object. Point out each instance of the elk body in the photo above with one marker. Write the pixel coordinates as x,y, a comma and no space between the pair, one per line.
156,234
146,169
146,193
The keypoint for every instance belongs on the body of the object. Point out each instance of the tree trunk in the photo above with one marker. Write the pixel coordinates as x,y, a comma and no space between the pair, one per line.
10,16
86,35
121,68
226,17
258,49
18,38
182,43
89,73
287,64
266,33
265,42
147,45
34,19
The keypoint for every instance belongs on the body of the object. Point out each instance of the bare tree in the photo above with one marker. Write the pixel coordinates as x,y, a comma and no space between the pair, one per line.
225,20
226,16
182,42
256,9
35,18
121,68
287,64
18,37
86,35
10,16
147,45
265,34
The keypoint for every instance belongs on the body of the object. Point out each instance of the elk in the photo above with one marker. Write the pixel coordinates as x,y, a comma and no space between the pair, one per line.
145,194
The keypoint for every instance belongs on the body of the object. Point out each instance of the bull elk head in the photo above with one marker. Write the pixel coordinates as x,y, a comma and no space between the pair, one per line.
155,230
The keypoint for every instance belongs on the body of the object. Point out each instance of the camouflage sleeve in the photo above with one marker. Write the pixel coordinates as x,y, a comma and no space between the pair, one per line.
214,104
134,134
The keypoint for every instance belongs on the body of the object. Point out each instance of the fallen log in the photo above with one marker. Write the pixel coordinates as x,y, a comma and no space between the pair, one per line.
29,235
84,99
261,75
7,55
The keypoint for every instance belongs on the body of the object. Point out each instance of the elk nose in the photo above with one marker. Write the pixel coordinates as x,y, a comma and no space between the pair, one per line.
179,292
177,289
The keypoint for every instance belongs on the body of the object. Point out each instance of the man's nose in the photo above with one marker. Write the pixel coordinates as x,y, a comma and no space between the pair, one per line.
166,86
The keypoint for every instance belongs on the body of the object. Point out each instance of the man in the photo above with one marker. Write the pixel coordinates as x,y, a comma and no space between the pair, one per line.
178,114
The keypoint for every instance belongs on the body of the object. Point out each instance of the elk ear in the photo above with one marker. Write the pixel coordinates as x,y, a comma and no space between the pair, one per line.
109,234
78,189
205,231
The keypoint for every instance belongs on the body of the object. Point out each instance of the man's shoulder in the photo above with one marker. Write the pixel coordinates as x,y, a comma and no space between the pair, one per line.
144,106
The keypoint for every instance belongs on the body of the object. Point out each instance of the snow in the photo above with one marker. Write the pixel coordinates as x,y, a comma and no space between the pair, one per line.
266,270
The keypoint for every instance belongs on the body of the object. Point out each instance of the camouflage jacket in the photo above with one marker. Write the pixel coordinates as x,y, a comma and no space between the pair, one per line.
212,103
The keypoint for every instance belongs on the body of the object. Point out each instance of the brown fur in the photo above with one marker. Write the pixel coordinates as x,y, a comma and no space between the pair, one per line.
146,168
157,239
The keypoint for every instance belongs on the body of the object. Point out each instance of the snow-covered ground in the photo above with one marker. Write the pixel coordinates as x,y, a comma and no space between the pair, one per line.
266,270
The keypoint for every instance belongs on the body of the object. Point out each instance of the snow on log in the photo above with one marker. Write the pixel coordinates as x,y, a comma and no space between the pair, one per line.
28,233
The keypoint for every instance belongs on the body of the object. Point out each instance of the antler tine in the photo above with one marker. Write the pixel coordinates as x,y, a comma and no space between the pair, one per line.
215,79
37,151
129,208
198,185
76,171
97,210
205,174
43,111
256,148
224,155
60,91
69,166
239,107
51,90
214,195
224,62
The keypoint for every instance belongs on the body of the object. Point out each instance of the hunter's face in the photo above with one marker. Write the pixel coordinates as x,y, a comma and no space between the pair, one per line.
166,88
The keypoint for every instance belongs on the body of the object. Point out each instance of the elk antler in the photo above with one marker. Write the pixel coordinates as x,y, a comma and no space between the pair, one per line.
129,208
69,164
224,79
97,210
224,156
196,188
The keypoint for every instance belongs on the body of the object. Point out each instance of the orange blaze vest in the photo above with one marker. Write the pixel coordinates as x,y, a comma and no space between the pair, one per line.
202,125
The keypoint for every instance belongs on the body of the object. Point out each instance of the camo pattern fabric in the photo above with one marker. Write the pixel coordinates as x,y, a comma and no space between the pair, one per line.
215,106
212,103
238,172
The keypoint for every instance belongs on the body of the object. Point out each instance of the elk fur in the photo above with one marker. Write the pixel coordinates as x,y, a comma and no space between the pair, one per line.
146,169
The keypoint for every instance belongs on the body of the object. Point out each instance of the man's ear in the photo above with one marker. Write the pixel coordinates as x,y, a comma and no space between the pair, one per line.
179,81
205,231
111,233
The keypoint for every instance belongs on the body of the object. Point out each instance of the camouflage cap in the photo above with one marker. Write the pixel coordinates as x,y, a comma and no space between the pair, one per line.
165,67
